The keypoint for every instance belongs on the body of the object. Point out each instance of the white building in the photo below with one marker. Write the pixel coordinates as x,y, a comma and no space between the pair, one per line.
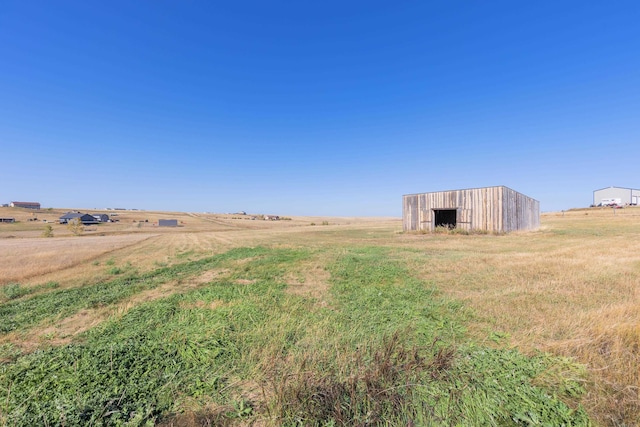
627,196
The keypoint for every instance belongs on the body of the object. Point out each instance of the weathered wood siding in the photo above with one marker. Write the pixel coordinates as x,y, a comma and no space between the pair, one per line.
494,209
519,211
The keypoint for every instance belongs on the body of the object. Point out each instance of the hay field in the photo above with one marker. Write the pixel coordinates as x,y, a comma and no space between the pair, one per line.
570,288
24,259
136,240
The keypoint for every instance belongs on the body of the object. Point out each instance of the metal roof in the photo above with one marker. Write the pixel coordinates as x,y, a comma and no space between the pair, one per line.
71,215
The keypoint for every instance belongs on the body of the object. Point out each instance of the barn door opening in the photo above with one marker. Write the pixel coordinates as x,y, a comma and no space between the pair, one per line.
444,218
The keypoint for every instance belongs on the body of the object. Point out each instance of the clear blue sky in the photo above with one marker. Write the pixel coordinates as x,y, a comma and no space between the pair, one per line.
315,108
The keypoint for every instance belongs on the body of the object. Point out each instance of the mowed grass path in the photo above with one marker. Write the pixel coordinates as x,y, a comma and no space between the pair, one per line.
383,347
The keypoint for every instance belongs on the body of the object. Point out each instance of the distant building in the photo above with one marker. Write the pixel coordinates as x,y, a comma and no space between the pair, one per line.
495,209
167,223
7,220
86,219
101,217
28,205
625,196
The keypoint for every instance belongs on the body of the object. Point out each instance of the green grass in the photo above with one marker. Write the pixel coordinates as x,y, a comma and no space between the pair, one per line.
388,349
25,313
12,291
379,295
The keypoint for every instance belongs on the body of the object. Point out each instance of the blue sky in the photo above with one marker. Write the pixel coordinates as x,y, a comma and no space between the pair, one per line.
315,108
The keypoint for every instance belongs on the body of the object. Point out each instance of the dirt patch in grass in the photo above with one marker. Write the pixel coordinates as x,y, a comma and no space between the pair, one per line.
65,330
174,287
312,281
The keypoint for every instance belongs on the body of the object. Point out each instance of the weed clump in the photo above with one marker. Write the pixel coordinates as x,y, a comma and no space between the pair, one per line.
48,231
460,231
13,291
376,388
76,227
114,271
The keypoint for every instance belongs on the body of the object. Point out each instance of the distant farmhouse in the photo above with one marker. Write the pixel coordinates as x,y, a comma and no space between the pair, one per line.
167,223
101,217
28,205
86,219
618,196
494,209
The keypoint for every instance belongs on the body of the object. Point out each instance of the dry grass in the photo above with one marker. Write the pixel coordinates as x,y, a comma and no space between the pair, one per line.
311,280
23,259
570,289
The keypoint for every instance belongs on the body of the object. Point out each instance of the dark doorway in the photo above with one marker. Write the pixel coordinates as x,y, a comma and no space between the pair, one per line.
445,218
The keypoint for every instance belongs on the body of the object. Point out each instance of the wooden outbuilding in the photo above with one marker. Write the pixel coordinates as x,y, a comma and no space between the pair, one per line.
167,223
493,209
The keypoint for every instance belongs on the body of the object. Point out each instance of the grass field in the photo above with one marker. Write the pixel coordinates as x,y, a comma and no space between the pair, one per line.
319,321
